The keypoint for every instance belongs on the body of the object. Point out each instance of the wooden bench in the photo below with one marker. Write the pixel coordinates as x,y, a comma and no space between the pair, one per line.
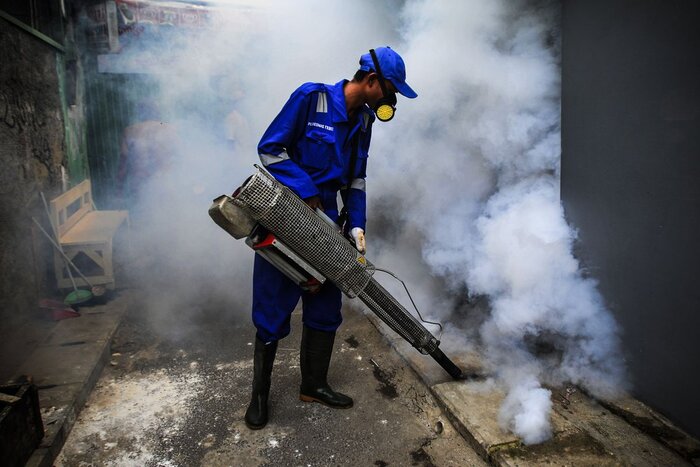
84,229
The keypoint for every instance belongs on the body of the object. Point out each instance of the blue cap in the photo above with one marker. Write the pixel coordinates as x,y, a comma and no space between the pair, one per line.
393,69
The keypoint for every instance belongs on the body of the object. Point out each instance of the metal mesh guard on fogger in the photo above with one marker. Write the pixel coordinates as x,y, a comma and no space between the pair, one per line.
282,212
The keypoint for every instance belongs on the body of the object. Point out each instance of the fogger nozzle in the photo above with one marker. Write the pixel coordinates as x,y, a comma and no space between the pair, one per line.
305,247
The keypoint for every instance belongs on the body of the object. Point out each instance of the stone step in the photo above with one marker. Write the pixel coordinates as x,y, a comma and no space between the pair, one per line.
585,431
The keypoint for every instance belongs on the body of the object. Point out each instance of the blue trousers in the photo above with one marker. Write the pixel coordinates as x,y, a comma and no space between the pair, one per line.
275,296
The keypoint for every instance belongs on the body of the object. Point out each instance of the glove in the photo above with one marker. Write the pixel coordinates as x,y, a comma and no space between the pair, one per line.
358,235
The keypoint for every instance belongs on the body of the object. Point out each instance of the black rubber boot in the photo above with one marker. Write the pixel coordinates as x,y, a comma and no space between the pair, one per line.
256,415
315,357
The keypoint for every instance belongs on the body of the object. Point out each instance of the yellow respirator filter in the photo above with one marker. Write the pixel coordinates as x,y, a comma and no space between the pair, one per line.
385,112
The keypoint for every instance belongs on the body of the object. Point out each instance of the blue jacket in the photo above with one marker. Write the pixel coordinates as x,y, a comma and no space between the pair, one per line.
307,147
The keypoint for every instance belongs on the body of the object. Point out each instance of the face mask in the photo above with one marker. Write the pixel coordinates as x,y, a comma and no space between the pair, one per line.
386,106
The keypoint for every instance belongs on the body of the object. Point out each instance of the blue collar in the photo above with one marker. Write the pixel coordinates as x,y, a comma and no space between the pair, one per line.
340,112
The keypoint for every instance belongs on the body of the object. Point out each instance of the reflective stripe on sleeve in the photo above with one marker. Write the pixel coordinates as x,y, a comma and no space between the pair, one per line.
269,159
359,184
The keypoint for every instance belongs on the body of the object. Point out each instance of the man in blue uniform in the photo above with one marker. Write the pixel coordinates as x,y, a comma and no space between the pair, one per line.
319,145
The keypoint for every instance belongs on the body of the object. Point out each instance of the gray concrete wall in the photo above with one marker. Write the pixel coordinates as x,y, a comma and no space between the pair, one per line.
630,181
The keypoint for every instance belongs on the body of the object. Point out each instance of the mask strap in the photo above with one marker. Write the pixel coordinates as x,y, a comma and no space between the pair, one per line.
379,72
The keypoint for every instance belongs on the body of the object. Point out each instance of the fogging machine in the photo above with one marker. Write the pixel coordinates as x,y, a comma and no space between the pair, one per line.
309,248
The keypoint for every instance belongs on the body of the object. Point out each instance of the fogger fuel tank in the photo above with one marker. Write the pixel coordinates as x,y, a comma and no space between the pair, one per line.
310,250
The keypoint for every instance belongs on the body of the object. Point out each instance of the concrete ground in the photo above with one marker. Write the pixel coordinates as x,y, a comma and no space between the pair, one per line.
395,421
180,400
65,362
585,431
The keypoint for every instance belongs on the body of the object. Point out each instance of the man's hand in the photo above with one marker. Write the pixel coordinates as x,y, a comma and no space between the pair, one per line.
358,235
314,202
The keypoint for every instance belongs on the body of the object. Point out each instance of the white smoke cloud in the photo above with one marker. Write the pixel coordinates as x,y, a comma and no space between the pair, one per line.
240,70
526,408
480,162
462,184
524,263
